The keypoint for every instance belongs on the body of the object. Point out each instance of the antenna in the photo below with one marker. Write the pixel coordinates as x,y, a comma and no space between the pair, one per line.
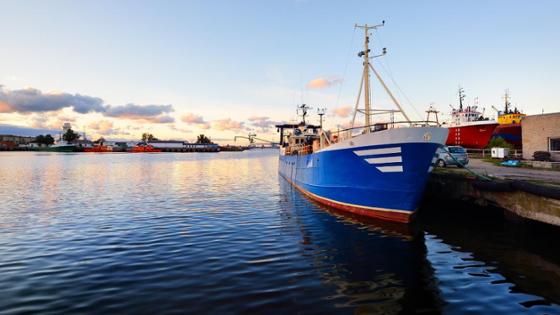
321,111
461,97
506,101
302,111
365,55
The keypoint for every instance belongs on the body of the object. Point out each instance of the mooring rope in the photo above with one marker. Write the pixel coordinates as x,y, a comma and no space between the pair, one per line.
467,168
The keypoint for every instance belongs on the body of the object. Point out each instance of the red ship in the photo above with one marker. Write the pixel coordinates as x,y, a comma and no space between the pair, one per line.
468,127
99,149
144,148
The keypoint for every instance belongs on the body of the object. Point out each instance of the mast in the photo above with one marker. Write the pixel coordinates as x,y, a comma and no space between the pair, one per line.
461,98
365,83
367,98
321,112
365,55
303,109
506,99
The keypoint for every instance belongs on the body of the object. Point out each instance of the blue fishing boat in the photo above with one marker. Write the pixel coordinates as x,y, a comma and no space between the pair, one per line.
377,170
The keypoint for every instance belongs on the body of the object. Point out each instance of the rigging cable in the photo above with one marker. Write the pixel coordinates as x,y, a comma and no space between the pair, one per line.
390,75
348,54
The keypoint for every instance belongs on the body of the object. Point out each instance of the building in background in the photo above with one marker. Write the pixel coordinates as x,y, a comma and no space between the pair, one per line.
10,142
168,144
541,133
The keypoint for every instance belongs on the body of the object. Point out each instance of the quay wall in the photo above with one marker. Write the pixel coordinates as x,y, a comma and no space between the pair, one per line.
521,198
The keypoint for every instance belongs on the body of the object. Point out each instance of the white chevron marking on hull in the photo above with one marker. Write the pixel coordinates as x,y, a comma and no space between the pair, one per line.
383,160
390,169
378,151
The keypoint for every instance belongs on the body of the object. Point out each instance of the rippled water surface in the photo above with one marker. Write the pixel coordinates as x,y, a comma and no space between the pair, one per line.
222,233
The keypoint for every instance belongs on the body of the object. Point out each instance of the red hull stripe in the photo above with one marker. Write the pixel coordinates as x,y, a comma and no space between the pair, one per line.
401,216
473,136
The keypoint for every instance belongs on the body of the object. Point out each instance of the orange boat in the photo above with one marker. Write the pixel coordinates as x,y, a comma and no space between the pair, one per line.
99,148
144,148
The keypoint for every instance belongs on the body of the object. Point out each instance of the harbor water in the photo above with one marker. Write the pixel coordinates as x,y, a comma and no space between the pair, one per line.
222,233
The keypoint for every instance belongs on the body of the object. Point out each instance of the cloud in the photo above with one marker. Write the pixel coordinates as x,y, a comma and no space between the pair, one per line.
321,83
227,124
40,122
191,118
258,118
263,122
102,127
166,119
50,121
31,100
343,111
179,129
194,119
149,113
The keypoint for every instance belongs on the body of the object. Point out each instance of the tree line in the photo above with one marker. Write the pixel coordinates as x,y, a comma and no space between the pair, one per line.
71,136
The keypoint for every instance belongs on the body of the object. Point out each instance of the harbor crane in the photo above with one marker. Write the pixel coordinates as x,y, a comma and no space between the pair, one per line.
252,137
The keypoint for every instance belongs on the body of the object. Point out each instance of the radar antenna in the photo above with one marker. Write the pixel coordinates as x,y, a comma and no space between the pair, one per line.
302,111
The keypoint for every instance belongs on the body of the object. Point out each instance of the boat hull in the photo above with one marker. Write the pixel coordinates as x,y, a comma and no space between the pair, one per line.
380,175
474,136
511,133
99,149
63,149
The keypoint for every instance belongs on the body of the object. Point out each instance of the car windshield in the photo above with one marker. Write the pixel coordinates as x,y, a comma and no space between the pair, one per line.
456,150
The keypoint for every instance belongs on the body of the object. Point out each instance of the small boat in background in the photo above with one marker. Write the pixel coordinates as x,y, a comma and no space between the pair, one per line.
144,148
468,127
510,123
99,149
63,146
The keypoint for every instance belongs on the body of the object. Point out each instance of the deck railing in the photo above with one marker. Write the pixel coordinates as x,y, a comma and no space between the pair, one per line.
347,133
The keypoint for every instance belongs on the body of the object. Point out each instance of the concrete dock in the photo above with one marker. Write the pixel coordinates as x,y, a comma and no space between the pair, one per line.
527,193
517,173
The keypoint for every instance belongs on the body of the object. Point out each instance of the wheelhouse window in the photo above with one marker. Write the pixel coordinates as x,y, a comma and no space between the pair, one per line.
554,144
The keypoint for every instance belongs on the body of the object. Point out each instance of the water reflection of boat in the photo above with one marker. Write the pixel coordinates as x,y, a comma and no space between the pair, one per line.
370,266
520,253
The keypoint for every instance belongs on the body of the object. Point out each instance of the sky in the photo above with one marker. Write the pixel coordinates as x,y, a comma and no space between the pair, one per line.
177,69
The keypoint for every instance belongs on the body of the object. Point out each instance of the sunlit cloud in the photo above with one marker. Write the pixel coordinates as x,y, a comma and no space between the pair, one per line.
194,119
321,83
50,121
102,127
343,111
263,123
228,124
